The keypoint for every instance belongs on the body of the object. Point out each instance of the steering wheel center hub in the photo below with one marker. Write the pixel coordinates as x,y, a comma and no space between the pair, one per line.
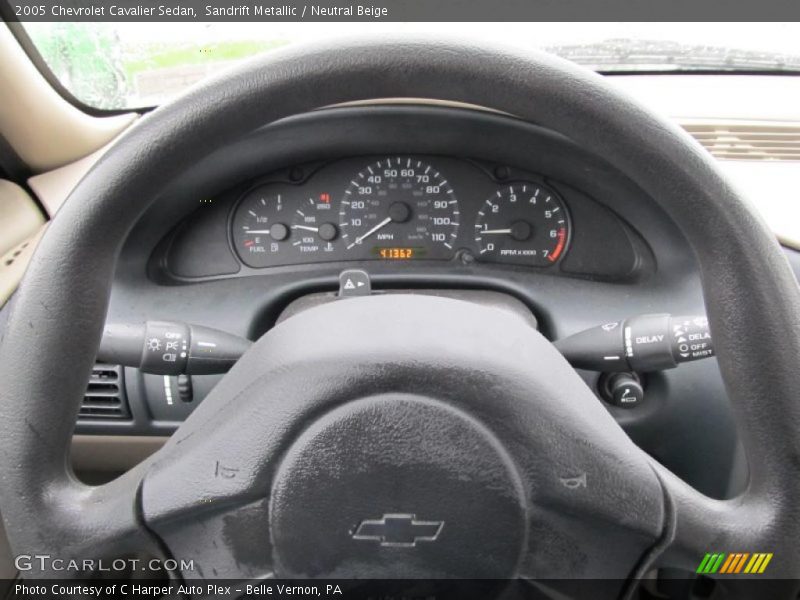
397,486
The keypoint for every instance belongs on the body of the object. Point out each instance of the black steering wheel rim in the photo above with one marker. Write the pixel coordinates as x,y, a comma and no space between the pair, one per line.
751,295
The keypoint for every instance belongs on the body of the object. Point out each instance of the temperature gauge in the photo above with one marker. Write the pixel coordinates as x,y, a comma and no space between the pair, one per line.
313,227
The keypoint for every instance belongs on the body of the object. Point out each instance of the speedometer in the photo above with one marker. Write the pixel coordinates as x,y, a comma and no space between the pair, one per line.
399,208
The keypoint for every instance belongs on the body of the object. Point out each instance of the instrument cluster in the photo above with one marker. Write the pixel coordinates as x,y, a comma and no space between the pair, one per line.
399,208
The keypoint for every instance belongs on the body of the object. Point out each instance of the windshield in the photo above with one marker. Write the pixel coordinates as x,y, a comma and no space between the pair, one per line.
131,65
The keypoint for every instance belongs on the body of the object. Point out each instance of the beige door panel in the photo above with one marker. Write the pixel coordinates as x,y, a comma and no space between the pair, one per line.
13,264
53,187
21,225
20,218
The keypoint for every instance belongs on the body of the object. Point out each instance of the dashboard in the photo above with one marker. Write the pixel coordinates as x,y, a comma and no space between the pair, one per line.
429,200
401,208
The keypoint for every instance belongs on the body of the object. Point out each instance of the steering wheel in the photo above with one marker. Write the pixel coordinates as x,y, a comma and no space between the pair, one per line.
417,436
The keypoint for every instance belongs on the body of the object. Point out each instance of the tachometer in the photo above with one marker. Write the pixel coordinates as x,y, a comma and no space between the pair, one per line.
525,223
399,208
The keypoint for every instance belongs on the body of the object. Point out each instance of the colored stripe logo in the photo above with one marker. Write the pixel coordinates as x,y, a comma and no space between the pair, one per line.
734,563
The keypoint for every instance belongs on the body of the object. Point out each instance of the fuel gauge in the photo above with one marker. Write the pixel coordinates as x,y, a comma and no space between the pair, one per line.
261,227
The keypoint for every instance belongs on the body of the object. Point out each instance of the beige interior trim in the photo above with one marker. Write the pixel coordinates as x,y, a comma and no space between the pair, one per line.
112,453
45,130
20,218
13,264
53,187
21,226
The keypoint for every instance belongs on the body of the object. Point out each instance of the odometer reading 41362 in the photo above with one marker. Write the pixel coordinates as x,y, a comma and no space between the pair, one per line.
399,202
524,223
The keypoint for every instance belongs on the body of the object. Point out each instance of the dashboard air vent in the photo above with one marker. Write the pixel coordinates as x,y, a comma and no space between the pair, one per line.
105,397
748,140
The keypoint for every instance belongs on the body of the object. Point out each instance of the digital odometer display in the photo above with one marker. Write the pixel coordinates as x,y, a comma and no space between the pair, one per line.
398,253
404,203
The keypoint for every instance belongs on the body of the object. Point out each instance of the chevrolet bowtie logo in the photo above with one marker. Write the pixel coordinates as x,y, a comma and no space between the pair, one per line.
398,530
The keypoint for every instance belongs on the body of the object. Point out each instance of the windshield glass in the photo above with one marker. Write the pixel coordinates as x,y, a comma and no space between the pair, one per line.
130,65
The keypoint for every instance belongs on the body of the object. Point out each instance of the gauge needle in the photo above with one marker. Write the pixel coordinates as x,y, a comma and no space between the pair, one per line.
306,227
496,232
261,231
380,225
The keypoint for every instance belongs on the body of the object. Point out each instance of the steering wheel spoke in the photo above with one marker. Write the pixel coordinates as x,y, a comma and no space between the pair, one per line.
89,527
700,525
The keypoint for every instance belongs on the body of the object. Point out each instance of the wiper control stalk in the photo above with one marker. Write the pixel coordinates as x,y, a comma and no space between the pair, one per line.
641,344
